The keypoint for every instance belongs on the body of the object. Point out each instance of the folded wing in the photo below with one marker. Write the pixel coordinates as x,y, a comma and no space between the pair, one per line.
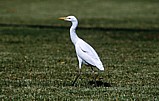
88,54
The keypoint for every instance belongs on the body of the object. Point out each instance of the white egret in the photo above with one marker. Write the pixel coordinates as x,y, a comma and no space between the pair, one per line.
85,53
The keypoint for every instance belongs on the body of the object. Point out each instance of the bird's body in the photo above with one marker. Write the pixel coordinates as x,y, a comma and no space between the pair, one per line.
85,53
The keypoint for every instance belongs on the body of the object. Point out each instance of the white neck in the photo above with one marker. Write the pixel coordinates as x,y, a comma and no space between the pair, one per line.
73,35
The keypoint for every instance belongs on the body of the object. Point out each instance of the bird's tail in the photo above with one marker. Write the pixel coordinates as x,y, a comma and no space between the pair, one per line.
100,66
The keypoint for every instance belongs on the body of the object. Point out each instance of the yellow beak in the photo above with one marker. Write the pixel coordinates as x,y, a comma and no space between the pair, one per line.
62,18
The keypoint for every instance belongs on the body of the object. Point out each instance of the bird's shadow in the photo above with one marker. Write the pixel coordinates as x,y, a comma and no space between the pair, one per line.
99,84
92,83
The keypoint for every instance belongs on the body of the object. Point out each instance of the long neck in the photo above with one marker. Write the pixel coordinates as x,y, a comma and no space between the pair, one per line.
73,35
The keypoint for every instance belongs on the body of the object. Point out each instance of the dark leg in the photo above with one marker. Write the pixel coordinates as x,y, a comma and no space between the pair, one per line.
79,73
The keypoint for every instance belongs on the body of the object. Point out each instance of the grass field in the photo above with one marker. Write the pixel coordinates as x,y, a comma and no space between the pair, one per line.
106,13
40,63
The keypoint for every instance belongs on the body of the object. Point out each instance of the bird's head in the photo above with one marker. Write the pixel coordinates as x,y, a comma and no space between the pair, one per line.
69,18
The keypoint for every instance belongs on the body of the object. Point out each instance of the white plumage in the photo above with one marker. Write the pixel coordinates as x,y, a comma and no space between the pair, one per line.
85,53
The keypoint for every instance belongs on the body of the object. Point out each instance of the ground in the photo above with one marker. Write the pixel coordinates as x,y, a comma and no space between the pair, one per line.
39,62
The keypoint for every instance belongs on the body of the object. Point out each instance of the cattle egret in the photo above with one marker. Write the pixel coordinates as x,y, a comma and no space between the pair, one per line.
85,53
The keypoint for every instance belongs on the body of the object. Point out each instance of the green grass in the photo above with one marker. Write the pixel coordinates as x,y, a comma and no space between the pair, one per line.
40,64
103,13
